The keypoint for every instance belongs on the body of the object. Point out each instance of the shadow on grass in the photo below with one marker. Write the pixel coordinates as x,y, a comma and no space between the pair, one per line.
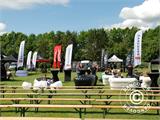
125,113
9,80
66,113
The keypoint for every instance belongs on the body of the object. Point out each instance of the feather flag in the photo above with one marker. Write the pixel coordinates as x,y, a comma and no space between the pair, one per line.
68,57
57,56
34,58
29,63
137,48
21,55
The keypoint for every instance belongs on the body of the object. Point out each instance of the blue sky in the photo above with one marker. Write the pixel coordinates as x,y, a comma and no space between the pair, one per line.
73,15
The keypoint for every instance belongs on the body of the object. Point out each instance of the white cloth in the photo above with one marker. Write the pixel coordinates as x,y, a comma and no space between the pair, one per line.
56,84
39,84
146,81
105,78
26,85
119,83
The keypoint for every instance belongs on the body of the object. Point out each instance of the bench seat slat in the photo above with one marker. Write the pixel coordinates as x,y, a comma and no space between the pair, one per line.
76,94
54,99
76,106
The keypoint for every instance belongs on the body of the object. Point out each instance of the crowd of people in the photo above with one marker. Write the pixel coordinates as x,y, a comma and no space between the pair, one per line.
90,69
115,72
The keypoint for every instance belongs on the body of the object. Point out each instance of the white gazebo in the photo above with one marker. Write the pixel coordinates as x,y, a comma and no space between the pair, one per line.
114,58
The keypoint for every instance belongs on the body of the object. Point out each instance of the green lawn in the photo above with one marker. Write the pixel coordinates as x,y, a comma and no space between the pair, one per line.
113,114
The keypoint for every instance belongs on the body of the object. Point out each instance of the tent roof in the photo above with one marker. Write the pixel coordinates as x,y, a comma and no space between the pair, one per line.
114,58
41,59
155,61
9,59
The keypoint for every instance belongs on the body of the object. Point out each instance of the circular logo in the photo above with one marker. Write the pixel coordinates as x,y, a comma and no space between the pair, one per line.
135,99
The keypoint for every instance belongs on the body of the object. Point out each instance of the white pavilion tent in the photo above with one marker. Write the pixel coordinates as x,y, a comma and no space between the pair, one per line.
114,58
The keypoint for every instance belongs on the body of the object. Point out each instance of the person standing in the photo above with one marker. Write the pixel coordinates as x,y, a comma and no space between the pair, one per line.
94,69
78,68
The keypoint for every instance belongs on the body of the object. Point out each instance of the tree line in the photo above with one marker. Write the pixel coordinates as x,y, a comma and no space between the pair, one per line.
87,44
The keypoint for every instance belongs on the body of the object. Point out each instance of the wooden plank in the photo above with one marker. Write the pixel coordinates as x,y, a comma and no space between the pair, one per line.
122,100
44,106
74,99
77,106
134,107
54,99
80,90
76,94
93,87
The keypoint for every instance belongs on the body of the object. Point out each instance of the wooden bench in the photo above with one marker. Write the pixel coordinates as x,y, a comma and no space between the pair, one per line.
79,108
39,100
84,95
13,90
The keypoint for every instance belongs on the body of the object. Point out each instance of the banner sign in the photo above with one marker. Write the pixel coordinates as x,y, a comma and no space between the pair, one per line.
21,55
137,48
68,57
57,56
29,63
34,58
102,58
105,59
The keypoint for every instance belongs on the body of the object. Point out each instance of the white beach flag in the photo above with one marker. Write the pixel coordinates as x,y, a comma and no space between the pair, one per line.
34,58
102,57
137,48
29,60
68,57
21,55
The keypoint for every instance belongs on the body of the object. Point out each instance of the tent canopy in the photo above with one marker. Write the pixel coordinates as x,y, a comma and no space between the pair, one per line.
155,61
41,59
9,59
114,58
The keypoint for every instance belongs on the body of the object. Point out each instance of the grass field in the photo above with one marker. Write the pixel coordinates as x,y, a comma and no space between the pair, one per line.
69,113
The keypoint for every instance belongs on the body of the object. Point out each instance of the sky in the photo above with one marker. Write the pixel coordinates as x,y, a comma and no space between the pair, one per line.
40,16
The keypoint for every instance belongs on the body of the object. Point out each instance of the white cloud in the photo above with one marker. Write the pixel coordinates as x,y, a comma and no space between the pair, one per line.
2,28
22,4
132,23
148,11
146,15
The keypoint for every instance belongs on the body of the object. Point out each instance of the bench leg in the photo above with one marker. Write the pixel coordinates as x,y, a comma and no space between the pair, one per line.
16,102
80,111
3,91
49,96
157,112
36,102
108,96
30,96
0,112
36,109
157,109
21,112
104,113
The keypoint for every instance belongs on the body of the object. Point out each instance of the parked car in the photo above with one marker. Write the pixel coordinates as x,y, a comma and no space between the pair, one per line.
86,64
